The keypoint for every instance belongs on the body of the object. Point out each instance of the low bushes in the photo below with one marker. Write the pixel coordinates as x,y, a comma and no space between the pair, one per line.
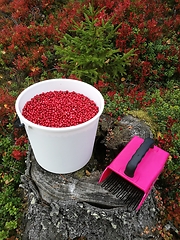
128,49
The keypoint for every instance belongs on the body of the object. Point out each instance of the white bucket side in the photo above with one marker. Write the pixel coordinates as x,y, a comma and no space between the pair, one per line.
61,150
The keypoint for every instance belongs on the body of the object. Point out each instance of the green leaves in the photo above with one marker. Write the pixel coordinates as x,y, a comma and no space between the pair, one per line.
89,50
163,57
10,172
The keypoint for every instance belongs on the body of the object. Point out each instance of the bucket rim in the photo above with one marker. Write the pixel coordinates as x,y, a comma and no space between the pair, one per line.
30,124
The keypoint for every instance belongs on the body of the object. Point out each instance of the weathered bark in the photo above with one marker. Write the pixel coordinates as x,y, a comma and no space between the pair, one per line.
73,205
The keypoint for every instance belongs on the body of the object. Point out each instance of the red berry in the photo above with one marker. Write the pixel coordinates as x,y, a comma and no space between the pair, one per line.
59,109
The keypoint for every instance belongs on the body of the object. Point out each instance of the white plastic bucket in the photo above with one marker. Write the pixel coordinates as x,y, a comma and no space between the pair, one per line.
67,149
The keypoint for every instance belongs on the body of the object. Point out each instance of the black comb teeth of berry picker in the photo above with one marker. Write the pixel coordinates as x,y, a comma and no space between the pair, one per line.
125,191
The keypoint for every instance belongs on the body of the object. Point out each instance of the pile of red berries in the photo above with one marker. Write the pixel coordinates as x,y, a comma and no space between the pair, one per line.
59,109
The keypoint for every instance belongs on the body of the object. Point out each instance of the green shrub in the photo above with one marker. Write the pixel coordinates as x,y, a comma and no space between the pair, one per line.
13,148
165,112
163,58
89,51
10,201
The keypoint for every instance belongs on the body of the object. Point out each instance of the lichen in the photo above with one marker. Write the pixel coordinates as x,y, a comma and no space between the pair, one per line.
143,115
79,174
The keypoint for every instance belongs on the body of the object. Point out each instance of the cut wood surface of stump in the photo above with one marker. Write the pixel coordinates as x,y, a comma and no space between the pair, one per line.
70,206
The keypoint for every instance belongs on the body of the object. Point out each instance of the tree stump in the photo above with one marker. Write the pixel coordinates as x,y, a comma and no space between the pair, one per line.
75,206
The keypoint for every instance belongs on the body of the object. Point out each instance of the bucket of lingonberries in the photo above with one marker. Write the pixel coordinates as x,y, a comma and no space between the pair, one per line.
61,118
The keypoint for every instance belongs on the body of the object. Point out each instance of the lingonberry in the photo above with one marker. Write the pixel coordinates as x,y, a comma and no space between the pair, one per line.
59,109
